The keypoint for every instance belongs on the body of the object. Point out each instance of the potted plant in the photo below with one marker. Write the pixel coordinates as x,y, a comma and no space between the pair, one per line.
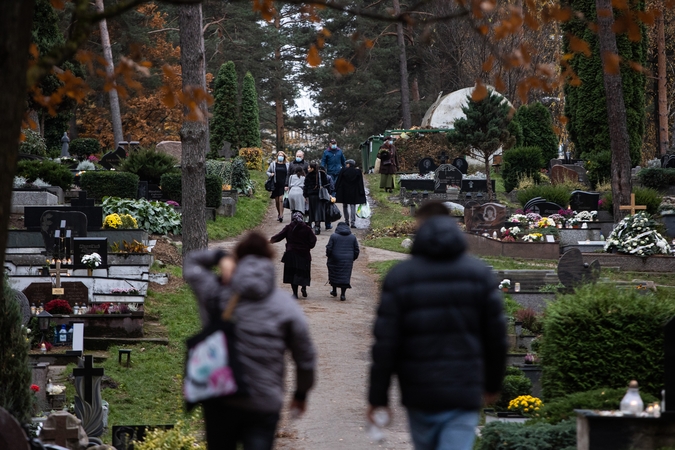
505,285
92,261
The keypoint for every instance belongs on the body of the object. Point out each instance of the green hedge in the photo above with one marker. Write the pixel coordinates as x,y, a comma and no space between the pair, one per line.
651,198
539,436
83,147
556,194
50,172
513,386
172,188
658,179
103,183
149,164
604,336
520,162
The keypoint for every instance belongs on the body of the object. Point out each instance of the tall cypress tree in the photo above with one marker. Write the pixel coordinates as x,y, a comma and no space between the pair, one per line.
249,120
224,121
537,124
585,104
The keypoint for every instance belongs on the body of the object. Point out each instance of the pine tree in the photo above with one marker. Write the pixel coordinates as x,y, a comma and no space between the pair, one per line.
249,120
224,121
484,130
585,104
15,373
537,124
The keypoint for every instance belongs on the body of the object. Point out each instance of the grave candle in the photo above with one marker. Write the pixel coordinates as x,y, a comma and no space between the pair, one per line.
43,348
517,287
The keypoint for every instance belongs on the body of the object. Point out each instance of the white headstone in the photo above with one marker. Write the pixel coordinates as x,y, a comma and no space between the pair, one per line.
78,337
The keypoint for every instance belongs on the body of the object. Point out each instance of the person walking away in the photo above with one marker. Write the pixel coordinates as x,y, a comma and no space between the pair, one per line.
268,322
279,170
297,259
314,180
299,161
440,328
333,161
350,191
296,184
388,164
342,250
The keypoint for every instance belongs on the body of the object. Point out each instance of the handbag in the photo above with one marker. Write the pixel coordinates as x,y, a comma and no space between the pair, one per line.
324,195
212,368
270,184
287,203
333,213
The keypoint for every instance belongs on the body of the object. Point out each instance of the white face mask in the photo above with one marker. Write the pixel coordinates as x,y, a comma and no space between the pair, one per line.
280,158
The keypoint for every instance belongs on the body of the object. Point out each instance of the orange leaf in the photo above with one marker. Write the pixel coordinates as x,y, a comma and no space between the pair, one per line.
611,62
326,32
620,4
563,119
343,66
488,64
480,92
320,42
648,17
500,86
636,66
368,43
579,45
58,4
313,58
483,29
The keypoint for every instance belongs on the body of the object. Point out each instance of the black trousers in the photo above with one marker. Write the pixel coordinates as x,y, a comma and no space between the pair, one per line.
227,426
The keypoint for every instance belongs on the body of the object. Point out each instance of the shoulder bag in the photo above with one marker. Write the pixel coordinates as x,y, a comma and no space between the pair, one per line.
324,195
212,368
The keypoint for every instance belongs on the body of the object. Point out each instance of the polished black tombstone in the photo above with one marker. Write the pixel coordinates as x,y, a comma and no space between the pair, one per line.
584,201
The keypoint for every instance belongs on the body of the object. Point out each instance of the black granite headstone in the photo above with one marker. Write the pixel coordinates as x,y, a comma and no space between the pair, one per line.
82,200
668,162
86,246
32,216
73,292
447,175
111,159
461,164
143,190
51,221
154,192
584,201
545,208
528,206
426,165
476,185
572,270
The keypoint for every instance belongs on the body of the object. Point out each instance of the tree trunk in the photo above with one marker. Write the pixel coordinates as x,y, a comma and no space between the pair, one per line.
416,113
662,80
115,114
16,17
616,110
403,65
278,97
193,134
490,194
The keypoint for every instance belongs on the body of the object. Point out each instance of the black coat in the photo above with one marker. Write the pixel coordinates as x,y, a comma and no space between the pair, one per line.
349,187
311,184
440,326
300,239
293,166
342,250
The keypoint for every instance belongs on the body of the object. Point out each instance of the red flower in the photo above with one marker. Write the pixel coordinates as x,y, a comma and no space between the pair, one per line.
58,306
35,388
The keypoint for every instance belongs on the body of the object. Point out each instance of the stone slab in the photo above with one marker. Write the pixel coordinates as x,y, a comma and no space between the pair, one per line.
595,432
173,148
573,236
94,284
483,246
20,199
656,263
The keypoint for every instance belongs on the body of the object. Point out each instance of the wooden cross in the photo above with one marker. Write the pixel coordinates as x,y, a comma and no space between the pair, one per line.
59,432
88,372
632,207
58,271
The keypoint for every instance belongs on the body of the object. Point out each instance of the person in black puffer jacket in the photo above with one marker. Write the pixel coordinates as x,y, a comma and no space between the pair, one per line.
441,329
342,250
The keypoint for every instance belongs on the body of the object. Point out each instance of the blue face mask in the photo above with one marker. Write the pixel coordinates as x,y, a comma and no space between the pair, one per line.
280,158
333,146
298,159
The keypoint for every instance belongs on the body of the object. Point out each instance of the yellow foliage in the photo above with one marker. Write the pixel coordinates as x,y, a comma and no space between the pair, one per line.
253,157
177,438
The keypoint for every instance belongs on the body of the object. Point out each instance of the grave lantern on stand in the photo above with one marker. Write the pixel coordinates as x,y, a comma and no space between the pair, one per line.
44,318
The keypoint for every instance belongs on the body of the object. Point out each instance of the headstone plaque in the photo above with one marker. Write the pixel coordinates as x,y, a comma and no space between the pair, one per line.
584,201
476,185
461,164
572,270
73,292
51,221
562,173
426,165
87,246
143,190
154,192
486,217
111,159
447,175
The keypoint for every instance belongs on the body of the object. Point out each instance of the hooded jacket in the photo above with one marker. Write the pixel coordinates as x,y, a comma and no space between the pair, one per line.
267,323
342,250
440,326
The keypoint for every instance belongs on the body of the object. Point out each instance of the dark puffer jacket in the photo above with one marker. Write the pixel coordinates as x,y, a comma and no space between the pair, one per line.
440,326
342,250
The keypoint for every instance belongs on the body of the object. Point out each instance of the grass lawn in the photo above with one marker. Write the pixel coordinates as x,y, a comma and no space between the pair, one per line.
250,212
382,268
504,263
385,214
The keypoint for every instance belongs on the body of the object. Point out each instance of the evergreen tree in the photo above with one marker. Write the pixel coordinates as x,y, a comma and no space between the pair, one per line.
585,104
537,125
484,130
15,373
224,121
249,121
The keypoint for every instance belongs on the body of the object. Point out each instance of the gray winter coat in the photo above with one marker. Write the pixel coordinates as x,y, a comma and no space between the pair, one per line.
268,322
342,250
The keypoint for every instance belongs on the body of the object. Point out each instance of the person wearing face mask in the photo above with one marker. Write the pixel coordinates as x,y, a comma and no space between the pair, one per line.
388,164
333,161
299,161
279,170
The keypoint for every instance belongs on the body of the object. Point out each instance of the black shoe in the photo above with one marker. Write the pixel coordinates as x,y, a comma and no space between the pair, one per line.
281,219
333,293
317,230
304,291
353,226
328,226
343,298
294,296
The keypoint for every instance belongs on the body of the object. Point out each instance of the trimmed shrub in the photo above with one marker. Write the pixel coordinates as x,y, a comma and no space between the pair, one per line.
253,157
103,183
539,436
555,194
149,164
520,162
172,188
154,217
50,172
241,178
249,117
537,124
513,386
651,198
33,143
604,336
222,169
658,179
83,147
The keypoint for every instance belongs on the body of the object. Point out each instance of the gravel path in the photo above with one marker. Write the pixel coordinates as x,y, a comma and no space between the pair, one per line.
341,331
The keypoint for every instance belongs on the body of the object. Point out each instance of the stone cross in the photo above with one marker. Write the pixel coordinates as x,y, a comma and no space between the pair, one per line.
58,271
62,428
632,207
88,372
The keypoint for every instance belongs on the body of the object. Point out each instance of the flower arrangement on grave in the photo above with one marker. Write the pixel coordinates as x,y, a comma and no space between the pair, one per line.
417,176
99,308
507,235
519,218
545,222
55,389
558,219
532,217
637,235
586,216
113,221
58,306
526,405
92,261
505,284
533,237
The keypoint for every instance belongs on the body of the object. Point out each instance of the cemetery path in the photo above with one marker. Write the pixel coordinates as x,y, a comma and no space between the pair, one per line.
341,331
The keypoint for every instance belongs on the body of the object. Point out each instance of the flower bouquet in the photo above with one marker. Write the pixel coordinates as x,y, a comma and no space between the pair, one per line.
545,222
92,261
519,219
58,306
586,216
637,235
533,237
525,405
505,284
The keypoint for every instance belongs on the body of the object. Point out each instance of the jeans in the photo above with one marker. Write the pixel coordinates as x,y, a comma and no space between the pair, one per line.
454,429
227,426
346,213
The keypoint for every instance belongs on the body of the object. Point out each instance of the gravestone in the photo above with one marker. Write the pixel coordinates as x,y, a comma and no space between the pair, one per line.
226,150
33,216
82,200
88,401
542,207
65,143
73,292
446,175
143,190
668,161
584,201
461,164
563,173
86,246
34,197
476,185
486,217
573,272
528,206
11,435
555,162
64,429
426,165
154,192
111,159
52,221
173,148
24,306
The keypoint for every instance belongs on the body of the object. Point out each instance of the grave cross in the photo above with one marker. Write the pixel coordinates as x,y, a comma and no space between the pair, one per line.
60,433
632,207
88,372
57,290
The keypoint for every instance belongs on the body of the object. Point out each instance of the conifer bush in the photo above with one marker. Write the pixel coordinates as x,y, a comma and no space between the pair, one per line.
539,436
114,183
537,125
83,147
50,172
225,109
520,162
149,164
249,119
172,188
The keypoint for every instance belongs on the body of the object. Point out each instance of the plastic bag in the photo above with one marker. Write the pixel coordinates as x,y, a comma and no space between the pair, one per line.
363,211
